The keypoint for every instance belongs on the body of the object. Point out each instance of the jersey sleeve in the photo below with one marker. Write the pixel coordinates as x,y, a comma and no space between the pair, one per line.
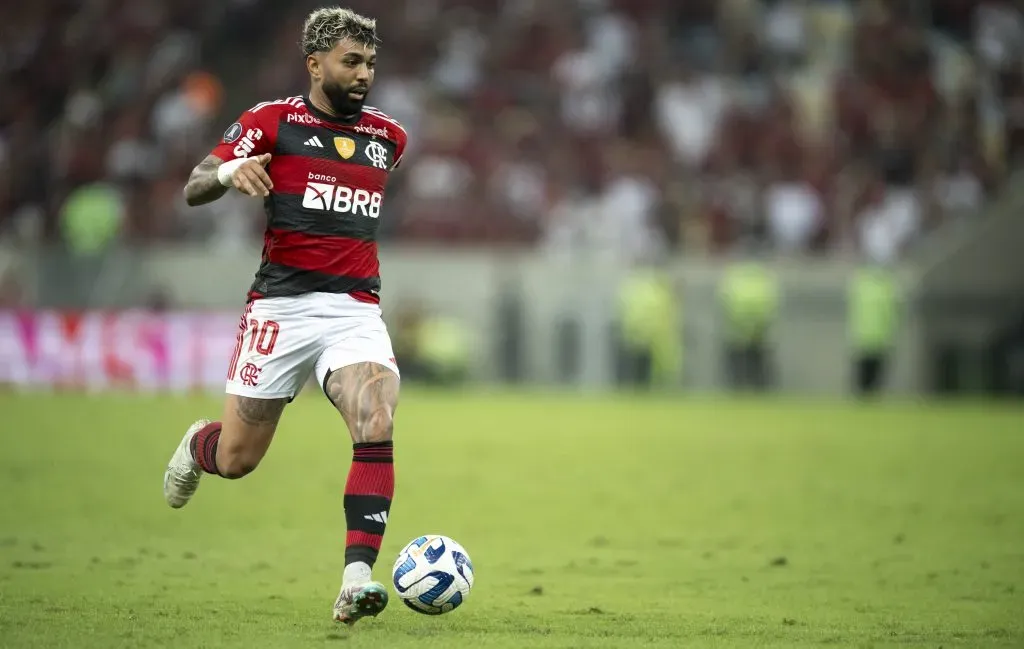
247,137
400,143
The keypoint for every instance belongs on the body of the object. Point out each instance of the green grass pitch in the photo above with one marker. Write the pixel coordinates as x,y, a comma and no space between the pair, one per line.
610,521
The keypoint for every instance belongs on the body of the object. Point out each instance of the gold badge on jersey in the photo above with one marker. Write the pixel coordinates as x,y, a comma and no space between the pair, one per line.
346,147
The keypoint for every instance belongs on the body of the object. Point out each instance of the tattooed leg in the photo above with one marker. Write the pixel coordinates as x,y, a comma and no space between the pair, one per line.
247,429
366,395
230,448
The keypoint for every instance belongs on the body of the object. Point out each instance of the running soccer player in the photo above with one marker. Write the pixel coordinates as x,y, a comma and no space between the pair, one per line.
320,163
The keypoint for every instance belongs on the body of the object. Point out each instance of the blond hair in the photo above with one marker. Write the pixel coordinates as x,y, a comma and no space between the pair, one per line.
326,26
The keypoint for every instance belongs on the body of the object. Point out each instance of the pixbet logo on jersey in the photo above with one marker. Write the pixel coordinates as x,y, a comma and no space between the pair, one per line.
324,197
302,118
371,130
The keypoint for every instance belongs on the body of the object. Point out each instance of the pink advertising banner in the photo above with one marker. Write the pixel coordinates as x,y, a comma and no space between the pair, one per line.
140,350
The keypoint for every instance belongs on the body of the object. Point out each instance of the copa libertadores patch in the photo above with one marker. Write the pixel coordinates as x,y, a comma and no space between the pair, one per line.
233,133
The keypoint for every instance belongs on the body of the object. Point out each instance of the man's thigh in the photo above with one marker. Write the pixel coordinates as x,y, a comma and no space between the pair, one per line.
275,350
277,346
355,335
357,370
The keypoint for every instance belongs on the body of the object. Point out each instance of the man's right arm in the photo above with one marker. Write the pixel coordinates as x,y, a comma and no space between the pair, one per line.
237,161
247,175
203,186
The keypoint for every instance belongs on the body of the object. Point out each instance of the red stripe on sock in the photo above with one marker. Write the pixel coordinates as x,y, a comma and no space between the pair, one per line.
355,537
371,479
206,447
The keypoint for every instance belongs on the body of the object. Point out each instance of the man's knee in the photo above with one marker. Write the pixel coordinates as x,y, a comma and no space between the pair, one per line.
378,427
237,461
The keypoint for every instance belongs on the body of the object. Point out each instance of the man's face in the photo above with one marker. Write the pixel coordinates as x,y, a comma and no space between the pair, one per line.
346,74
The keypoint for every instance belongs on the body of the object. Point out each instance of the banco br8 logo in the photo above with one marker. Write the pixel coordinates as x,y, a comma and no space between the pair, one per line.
342,199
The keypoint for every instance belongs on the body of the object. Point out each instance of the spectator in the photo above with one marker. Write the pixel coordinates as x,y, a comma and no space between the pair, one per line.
764,119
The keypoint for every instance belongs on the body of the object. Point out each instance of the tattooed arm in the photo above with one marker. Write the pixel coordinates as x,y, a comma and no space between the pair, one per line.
249,177
203,185
366,395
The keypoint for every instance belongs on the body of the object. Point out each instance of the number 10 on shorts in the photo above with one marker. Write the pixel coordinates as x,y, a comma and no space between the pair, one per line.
263,338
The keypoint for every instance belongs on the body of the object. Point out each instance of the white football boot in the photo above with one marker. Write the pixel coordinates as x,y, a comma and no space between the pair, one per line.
183,472
359,597
359,601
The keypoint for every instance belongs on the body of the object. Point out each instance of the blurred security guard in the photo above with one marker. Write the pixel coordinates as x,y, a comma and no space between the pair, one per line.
749,300
873,320
650,338
443,350
91,219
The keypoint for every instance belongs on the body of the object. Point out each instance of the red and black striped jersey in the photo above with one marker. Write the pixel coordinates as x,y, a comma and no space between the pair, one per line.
329,176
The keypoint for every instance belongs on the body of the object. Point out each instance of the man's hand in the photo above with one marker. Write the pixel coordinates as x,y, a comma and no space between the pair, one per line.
251,178
212,177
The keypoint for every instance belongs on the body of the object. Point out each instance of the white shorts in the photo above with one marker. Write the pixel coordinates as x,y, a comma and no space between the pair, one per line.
281,340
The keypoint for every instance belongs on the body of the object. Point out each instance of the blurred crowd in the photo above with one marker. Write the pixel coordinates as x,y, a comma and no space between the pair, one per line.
637,126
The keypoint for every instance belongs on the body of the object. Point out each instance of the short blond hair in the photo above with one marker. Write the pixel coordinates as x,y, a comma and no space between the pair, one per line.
326,26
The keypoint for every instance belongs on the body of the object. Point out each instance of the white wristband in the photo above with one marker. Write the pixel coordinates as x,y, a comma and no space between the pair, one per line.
227,170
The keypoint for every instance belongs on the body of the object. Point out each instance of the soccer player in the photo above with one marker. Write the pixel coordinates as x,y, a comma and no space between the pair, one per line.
319,163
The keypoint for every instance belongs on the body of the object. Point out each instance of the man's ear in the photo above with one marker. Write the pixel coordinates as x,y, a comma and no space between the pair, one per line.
313,65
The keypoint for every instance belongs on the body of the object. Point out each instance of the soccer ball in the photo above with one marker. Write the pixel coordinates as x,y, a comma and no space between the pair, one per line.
433,575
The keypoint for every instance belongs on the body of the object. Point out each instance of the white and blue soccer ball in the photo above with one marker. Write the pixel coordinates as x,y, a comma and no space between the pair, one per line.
433,575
